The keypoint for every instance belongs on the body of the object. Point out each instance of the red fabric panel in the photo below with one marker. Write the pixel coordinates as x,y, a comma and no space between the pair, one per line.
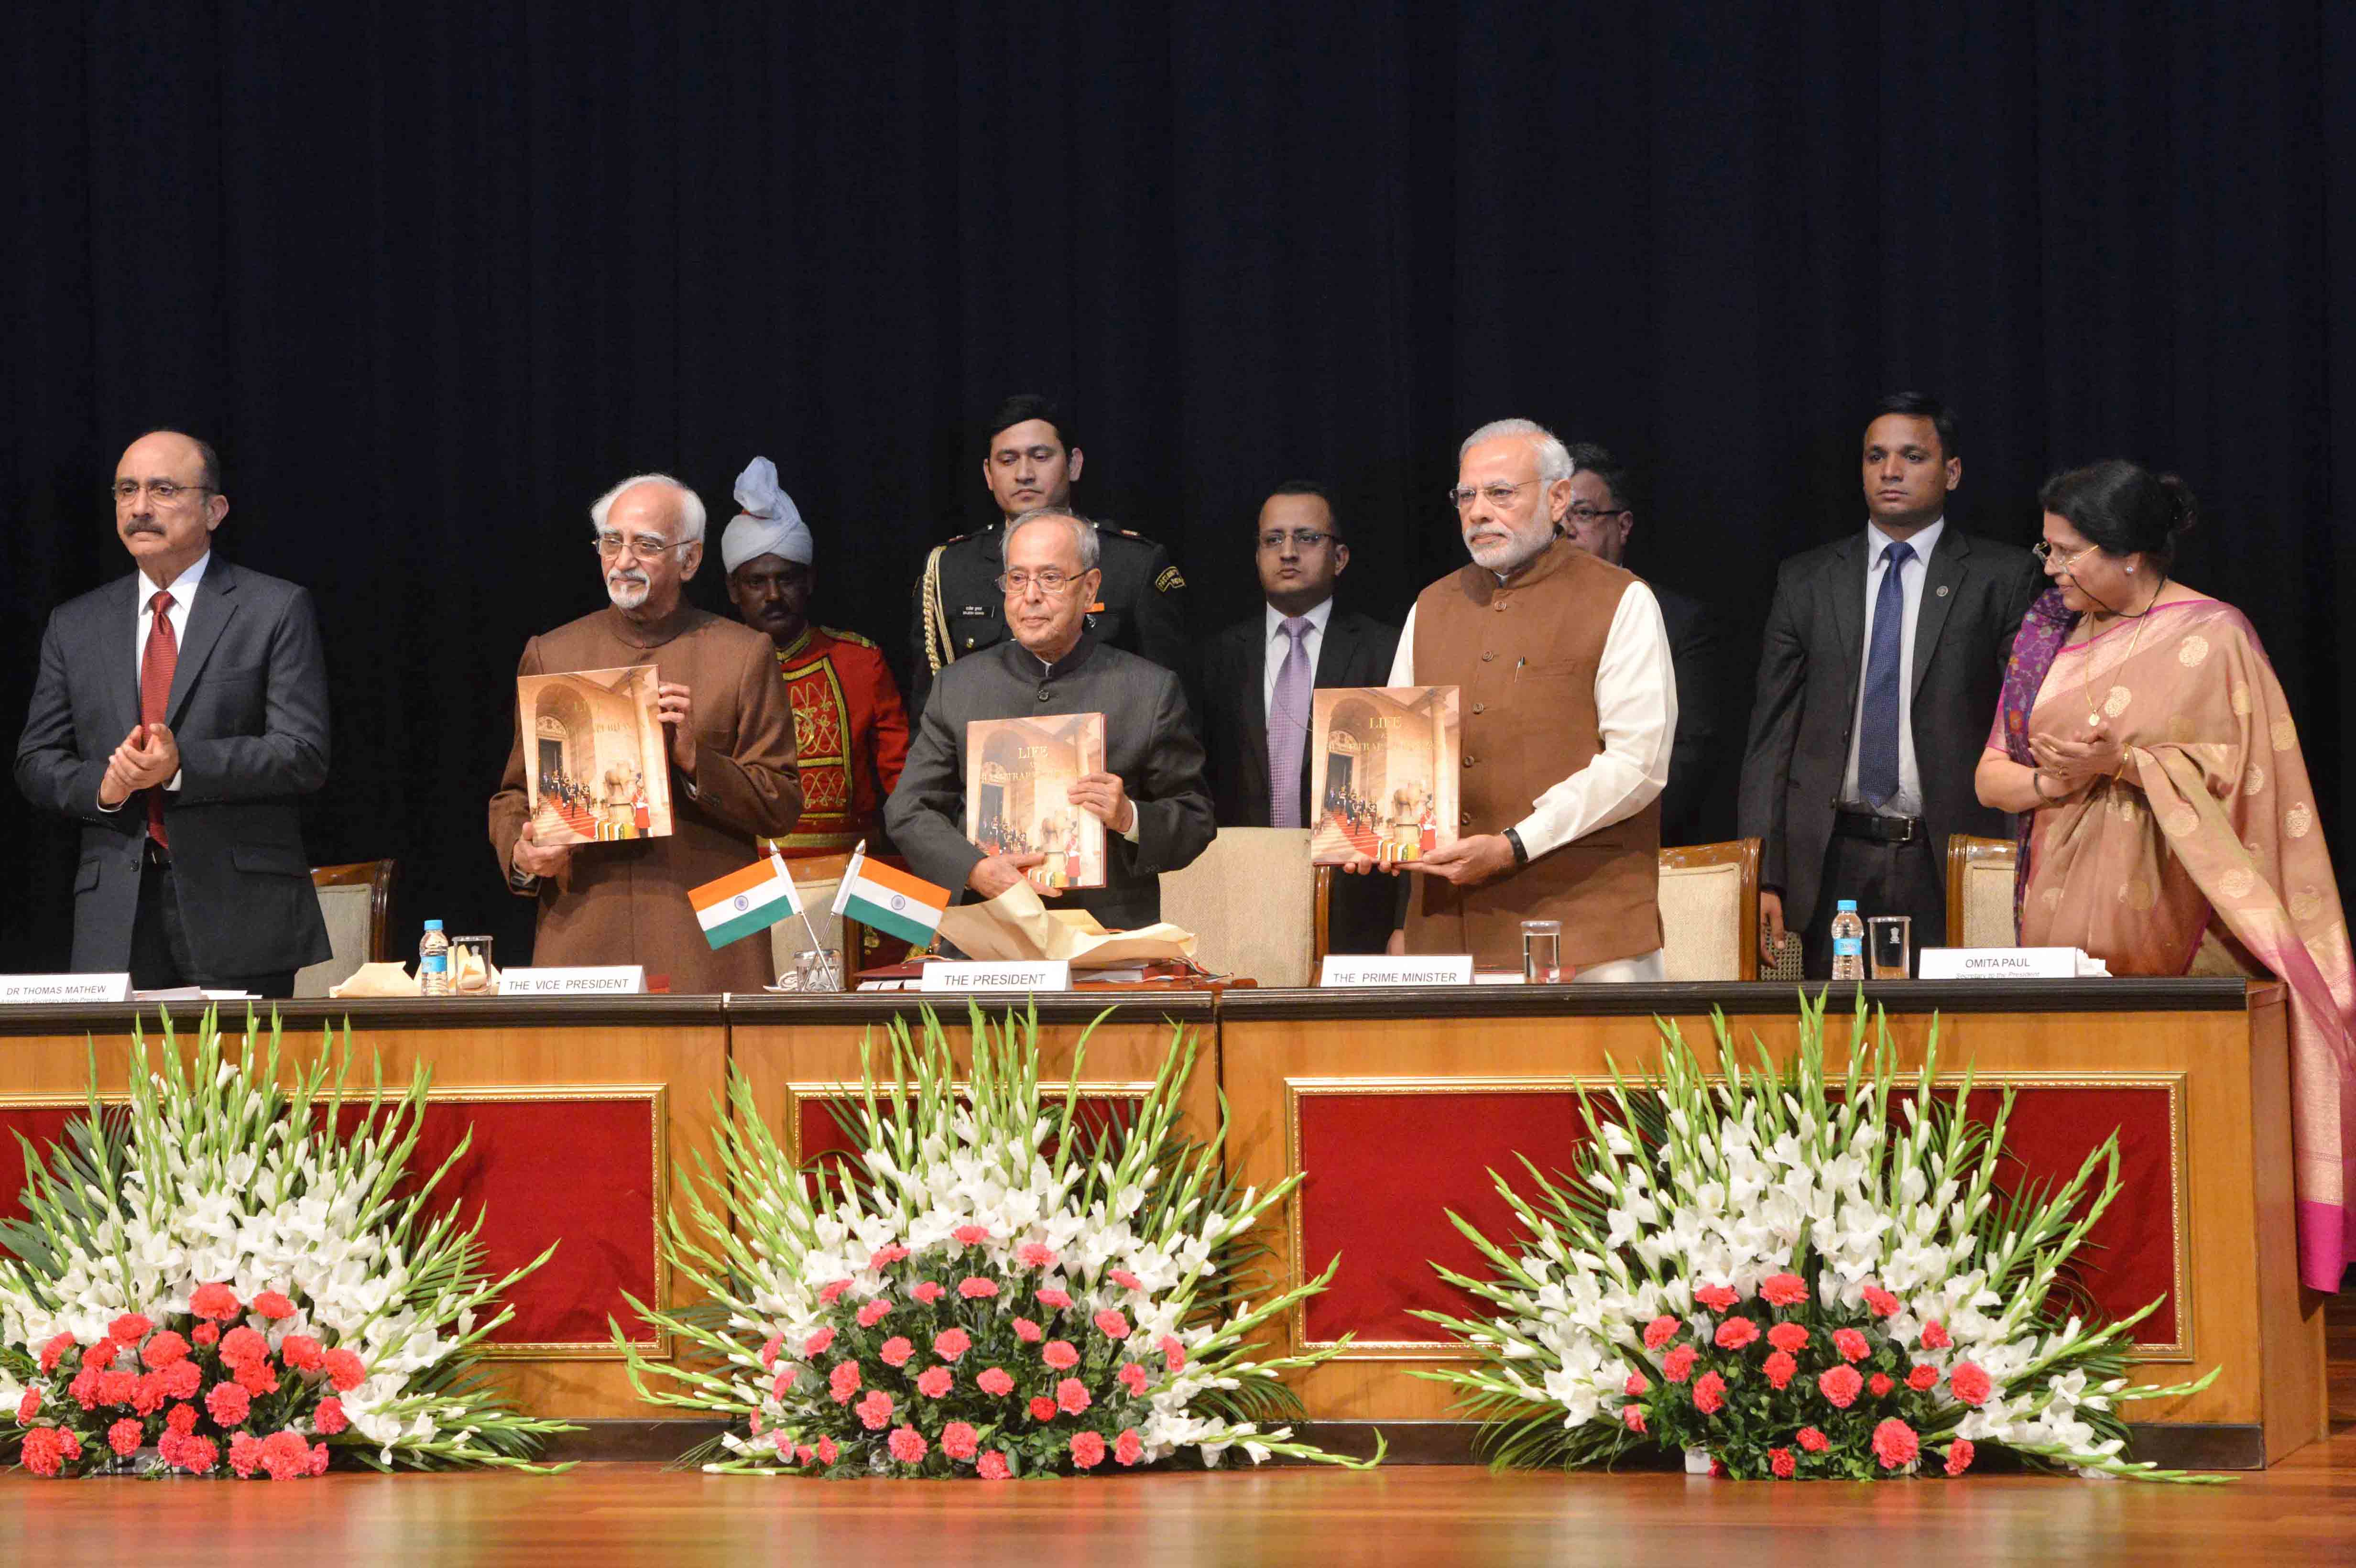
539,1170
822,1135
1382,1168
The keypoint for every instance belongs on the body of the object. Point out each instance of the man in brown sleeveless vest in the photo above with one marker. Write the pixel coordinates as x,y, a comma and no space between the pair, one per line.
1568,707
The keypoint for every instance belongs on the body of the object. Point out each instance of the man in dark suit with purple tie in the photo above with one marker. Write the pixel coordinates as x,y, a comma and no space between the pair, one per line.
1256,680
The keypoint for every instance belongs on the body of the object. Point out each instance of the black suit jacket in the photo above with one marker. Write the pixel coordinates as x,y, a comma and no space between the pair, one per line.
1974,593
1695,784
1355,650
249,709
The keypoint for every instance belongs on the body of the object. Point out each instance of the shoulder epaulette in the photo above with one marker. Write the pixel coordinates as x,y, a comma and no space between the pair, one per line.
840,636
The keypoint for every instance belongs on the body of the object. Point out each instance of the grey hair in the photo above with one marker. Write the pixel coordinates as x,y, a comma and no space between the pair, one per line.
1554,458
1083,532
690,505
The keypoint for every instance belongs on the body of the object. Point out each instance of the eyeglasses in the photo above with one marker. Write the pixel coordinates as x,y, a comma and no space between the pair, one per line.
165,491
1050,582
1590,514
646,547
1499,494
2045,554
1302,539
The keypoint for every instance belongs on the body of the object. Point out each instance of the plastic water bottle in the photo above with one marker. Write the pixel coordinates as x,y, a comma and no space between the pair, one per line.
1848,942
433,960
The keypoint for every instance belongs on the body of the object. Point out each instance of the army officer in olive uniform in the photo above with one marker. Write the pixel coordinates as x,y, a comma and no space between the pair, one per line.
1030,460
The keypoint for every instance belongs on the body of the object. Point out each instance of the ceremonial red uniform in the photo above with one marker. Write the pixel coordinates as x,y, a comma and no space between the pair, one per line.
850,737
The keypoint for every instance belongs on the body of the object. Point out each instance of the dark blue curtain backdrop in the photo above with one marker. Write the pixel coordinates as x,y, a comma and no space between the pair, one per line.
434,275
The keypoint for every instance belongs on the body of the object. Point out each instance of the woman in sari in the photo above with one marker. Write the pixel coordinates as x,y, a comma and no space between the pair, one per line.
2166,823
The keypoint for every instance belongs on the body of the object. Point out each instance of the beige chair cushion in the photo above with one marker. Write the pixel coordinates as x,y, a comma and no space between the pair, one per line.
1987,905
346,911
1701,919
1250,900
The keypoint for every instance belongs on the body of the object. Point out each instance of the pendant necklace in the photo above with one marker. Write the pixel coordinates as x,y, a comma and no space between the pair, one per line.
2086,677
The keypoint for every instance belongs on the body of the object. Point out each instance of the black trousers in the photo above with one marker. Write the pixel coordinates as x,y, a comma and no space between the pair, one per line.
1884,878
160,959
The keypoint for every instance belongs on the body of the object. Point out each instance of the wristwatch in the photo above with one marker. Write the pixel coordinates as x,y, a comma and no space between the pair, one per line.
1521,856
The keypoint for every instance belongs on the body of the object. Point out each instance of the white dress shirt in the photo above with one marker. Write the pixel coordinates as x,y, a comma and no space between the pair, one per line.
1278,644
1635,718
183,589
1908,801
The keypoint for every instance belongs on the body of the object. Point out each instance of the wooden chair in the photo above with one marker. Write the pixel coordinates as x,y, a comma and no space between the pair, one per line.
1254,904
1979,891
1709,911
356,900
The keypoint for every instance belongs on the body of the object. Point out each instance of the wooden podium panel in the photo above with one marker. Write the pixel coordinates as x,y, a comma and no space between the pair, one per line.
577,1110
1397,1104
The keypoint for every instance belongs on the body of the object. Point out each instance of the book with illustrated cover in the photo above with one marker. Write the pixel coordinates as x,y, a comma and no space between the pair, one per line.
1016,770
1382,773
595,759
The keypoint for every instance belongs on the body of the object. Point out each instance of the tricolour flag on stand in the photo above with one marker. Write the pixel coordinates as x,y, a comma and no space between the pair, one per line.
887,900
743,902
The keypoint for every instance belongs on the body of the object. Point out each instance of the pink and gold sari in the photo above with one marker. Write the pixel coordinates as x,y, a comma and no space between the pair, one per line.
2207,846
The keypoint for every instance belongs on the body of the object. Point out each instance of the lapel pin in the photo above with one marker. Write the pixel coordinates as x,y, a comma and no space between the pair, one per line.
1943,590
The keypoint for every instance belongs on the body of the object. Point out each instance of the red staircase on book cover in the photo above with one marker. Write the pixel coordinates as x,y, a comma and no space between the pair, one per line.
554,816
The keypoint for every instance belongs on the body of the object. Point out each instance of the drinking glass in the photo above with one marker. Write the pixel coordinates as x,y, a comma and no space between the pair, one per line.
470,966
817,971
1542,952
1889,947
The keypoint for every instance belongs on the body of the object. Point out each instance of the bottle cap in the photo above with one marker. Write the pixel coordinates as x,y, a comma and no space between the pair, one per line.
1847,906
436,925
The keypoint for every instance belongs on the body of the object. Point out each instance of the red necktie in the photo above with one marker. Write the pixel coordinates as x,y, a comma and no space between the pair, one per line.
155,691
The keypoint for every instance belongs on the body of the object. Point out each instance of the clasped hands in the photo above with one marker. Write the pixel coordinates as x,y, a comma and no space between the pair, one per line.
2071,765
147,757
1467,863
1101,796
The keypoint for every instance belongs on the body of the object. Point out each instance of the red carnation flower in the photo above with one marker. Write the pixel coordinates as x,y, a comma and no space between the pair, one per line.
1111,1324
1880,1384
1895,1445
1052,1299
244,1453
1784,1290
148,1397
1924,1378
972,1235
1717,1298
925,1291
205,1334
182,1419
993,1466
895,1352
1934,1335
1632,1417
163,1350
181,1380
1059,1354
884,1257
1841,1386
1033,1255
960,1441
1788,1337
303,1352
125,1435
1636,1386
215,1301
1042,1408
974,1288
286,1457
1736,1332
1123,1278
198,1455
1072,1396
84,1387
843,1382
874,1312
130,1328
101,1356
229,1405
241,1345
1173,1352
1133,1378
783,1381
951,1343
1970,1383
933,1382
1959,1456
820,1341
1087,1450
907,1446
1780,1369
1813,1441
48,1449
329,1418
117,1387
995,1383
1851,1344
55,1351
1880,1302
1782,1462
258,1378
1128,1448
345,1371
874,1410
1710,1393
1680,1364
28,1407
771,1349
832,1292
273,1306
1030,1333
1660,1331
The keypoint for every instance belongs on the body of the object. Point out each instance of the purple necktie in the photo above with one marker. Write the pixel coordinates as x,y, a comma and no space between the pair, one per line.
1288,728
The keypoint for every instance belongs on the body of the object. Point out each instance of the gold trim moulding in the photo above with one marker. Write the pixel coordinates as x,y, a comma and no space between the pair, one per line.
1295,1089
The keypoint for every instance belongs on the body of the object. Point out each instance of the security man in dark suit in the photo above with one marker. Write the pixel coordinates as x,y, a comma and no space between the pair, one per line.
179,714
1884,656
1299,550
1031,459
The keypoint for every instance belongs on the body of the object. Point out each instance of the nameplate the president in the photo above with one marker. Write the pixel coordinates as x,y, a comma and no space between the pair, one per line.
579,980
1044,976
1440,969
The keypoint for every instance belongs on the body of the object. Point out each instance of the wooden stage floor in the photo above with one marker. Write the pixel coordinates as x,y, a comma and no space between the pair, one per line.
2303,1512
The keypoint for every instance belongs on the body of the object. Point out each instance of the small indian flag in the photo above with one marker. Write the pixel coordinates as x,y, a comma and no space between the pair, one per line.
743,902
889,899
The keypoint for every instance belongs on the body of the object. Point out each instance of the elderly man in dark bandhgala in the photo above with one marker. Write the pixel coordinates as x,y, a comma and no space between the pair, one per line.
1150,794
730,746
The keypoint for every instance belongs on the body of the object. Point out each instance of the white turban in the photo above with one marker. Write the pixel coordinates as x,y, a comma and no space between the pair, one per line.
770,523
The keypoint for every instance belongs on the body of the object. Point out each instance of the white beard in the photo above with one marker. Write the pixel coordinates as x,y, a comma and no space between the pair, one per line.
628,591
1503,555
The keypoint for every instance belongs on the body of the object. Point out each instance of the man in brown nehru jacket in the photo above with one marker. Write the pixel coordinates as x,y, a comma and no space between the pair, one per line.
1569,706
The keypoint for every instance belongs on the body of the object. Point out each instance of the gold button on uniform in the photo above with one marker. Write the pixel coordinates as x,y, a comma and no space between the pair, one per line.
1470,760
1480,707
1486,657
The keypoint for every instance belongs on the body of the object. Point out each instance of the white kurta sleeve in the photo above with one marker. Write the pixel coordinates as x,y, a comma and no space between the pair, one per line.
1403,661
1636,719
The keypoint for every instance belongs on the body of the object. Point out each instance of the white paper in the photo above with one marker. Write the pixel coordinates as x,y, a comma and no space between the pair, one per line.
1432,969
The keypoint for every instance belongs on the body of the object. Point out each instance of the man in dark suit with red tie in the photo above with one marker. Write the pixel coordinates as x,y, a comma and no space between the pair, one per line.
1883,660
179,714
1257,681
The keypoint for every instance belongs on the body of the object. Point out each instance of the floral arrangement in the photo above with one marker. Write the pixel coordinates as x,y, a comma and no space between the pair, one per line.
1800,1279
215,1279
991,1286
